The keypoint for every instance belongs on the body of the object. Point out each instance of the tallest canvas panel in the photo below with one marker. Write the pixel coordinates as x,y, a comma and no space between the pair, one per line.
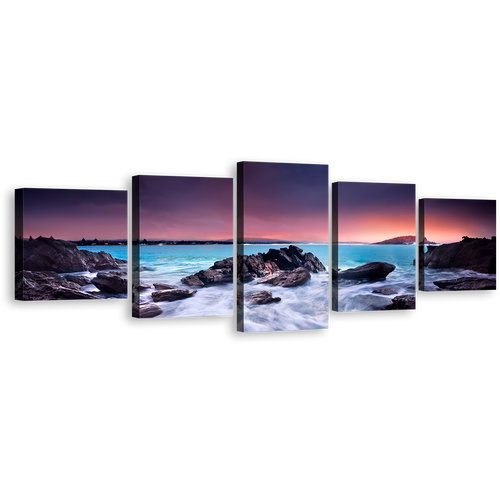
282,229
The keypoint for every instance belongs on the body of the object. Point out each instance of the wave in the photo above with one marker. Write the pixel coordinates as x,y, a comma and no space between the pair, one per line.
301,308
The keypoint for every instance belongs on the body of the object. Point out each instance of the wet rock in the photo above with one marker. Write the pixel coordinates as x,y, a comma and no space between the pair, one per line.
402,302
370,271
288,279
140,286
367,302
467,283
172,295
146,310
385,291
110,283
262,297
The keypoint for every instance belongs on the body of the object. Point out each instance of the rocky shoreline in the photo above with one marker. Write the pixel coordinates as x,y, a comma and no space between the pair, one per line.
43,267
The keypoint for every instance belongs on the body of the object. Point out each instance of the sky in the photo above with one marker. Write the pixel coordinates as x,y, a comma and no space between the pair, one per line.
284,201
447,220
186,208
369,212
73,214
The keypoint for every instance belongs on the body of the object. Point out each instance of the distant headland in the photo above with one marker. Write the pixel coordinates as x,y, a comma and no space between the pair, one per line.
404,240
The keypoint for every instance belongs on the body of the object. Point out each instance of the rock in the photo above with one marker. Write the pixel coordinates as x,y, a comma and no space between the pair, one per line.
37,285
111,283
402,302
467,283
262,297
288,279
254,266
475,254
370,271
46,254
140,286
367,302
146,310
163,286
78,279
172,295
385,291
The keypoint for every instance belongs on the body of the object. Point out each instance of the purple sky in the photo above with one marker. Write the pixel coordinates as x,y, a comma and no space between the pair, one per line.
372,211
186,208
286,201
73,214
447,220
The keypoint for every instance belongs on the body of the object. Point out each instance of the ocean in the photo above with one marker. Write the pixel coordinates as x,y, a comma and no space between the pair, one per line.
169,263
301,308
359,296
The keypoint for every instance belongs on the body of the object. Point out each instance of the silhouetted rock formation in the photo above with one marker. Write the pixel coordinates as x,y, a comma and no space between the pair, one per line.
47,254
398,240
220,272
370,271
476,254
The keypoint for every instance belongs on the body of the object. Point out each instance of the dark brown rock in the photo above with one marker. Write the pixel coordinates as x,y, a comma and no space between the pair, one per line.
403,303
288,279
78,279
111,283
467,283
262,297
146,310
476,254
370,271
172,295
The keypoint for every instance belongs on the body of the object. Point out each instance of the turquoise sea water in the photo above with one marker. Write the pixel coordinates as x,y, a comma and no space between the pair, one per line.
355,295
169,263
116,251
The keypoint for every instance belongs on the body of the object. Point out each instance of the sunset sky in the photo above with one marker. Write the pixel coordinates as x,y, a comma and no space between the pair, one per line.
73,214
447,220
186,208
369,212
285,201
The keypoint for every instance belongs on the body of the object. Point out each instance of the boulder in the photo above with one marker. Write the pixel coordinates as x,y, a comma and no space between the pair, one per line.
402,302
288,279
262,297
140,286
220,272
146,310
475,254
370,271
172,295
467,283
110,283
